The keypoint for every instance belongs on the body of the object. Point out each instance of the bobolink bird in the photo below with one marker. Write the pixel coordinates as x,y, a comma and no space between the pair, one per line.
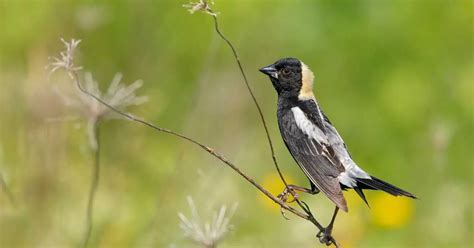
314,142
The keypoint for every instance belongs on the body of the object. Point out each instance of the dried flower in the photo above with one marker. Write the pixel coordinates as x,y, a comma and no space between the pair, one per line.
66,59
118,95
207,234
200,5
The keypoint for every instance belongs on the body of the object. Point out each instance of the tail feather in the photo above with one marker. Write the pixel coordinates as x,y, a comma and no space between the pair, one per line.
375,183
361,194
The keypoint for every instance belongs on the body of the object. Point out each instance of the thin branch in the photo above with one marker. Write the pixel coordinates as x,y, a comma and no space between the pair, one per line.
307,215
94,184
257,105
209,150
259,109
203,5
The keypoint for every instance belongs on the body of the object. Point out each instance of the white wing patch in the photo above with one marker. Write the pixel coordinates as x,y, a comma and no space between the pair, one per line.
333,139
308,128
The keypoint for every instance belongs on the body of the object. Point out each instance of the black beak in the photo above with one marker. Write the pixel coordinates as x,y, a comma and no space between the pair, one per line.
270,71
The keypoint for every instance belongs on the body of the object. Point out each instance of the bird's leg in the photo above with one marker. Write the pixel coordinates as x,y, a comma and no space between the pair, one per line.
325,234
291,189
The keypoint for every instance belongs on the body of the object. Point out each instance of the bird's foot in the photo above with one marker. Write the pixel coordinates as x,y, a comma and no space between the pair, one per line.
325,236
291,189
283,196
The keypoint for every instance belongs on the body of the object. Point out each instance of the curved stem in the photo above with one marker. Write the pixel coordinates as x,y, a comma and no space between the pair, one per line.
94,184
209,150
257,105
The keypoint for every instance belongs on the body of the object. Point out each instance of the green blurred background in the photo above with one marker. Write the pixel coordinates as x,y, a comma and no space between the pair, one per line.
395,77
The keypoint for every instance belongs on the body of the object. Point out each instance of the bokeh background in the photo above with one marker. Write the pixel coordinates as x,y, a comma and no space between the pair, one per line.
395,77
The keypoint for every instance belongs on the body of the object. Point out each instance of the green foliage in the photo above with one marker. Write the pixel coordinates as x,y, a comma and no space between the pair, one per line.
396,79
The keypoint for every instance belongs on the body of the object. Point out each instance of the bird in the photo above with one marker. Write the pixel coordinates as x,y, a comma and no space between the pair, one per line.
314,142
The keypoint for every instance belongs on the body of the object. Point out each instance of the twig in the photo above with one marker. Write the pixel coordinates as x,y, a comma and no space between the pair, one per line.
66,62
257,105
204,6
75,78
94,185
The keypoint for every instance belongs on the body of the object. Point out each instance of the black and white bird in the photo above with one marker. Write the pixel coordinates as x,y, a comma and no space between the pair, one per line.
313,141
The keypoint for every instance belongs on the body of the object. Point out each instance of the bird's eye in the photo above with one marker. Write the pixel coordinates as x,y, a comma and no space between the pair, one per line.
285,71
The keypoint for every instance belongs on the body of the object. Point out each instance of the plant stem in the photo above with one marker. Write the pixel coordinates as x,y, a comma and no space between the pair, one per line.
209,150
257,105
94,184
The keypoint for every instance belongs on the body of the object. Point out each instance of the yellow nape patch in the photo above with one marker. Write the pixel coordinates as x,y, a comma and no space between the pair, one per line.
307,79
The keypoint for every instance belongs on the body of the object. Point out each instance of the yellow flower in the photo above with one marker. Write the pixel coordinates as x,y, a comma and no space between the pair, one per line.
272,182
391,212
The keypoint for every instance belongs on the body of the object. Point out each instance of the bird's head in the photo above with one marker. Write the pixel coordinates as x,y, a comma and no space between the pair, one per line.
291,78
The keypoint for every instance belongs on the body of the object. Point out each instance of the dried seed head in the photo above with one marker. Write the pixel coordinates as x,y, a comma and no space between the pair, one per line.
117,95
200,6
65,60
206,233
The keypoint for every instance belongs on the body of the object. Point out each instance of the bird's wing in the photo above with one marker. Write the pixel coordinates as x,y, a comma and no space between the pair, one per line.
352,171
310,148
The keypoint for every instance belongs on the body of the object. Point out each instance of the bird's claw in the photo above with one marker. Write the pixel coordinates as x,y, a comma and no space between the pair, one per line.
325,236
283,196
282,211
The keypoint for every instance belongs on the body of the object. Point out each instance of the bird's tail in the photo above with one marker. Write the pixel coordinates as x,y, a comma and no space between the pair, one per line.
375,183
